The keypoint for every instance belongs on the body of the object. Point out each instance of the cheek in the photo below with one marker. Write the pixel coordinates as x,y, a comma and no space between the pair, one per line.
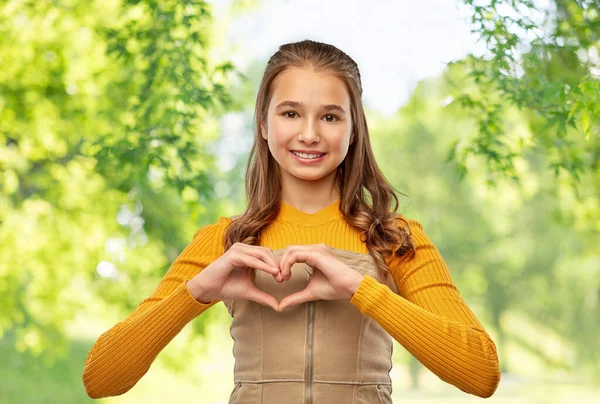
280,136
277,145
339,145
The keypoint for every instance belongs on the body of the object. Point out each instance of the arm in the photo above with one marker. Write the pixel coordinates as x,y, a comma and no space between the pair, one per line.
431,320
124,353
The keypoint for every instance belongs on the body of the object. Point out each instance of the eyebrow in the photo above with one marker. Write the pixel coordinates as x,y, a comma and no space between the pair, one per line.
294,104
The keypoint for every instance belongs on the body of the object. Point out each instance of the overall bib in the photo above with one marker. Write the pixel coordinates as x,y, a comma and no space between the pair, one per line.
318,352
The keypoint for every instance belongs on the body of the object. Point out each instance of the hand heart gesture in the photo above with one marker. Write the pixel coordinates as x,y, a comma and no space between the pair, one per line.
331,278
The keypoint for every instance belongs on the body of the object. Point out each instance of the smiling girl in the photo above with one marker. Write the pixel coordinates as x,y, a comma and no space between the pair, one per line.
319,273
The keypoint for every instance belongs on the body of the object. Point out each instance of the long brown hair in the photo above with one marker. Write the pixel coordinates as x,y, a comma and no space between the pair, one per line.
378,224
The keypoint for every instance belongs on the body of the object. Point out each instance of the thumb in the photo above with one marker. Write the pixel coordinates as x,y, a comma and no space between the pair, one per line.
295,298
261,297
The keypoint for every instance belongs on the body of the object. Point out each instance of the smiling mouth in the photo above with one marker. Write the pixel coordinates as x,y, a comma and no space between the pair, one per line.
307,156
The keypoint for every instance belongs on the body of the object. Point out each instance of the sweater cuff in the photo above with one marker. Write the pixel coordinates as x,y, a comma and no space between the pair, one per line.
368,295
186,305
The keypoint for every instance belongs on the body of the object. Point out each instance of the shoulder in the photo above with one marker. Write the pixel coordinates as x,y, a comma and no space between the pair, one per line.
217,228
419,240
214,229
408,223
232,218
210,237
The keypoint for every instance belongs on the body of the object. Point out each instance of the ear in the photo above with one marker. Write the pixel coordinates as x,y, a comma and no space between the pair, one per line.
263,130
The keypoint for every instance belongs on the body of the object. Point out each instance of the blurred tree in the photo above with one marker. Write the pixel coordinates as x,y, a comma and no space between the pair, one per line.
170,88
544,58
108,112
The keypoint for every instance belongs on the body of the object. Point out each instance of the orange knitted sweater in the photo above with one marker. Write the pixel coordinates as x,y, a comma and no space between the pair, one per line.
428,316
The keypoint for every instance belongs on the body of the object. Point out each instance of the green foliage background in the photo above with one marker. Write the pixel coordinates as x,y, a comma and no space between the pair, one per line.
110,117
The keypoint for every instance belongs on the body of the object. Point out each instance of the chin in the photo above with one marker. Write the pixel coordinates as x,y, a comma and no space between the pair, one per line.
310,177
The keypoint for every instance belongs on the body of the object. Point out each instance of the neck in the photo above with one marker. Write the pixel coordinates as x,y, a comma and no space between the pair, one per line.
309,196
290,213
311,205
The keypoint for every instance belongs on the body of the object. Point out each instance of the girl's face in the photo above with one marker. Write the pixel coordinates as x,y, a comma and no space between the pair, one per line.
308,112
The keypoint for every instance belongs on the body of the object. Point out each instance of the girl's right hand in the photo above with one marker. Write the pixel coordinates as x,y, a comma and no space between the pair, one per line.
229,276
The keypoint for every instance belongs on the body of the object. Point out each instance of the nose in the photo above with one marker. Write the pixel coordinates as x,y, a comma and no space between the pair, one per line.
309,134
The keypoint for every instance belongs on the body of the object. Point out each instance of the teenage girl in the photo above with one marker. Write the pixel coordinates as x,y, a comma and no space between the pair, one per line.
317,274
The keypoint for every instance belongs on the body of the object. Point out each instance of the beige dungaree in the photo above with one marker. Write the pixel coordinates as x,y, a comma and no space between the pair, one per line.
319,352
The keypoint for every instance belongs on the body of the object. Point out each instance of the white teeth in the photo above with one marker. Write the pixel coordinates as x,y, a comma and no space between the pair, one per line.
306,155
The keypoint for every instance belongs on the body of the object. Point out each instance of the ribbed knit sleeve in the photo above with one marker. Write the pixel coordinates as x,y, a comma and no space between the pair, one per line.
431,320
124,353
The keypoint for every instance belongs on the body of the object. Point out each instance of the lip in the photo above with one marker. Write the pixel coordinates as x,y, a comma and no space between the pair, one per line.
308,161
307,151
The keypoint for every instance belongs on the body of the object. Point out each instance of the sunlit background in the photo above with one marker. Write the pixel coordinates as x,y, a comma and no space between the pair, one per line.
117,144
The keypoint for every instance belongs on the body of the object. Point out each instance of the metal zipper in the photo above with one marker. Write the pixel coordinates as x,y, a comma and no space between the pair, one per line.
310,333
311,310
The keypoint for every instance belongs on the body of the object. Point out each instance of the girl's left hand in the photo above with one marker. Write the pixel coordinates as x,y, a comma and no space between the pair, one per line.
331,278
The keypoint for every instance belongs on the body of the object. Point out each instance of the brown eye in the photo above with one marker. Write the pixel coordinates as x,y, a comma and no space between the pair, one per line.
336,118
289,112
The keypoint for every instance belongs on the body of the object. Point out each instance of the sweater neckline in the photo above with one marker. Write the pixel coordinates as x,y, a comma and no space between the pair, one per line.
289,213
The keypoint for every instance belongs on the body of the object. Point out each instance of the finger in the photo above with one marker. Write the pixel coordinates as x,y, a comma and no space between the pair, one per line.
262,254
282,264
253,262
294,254
300,297
287,260
279,278
261,297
